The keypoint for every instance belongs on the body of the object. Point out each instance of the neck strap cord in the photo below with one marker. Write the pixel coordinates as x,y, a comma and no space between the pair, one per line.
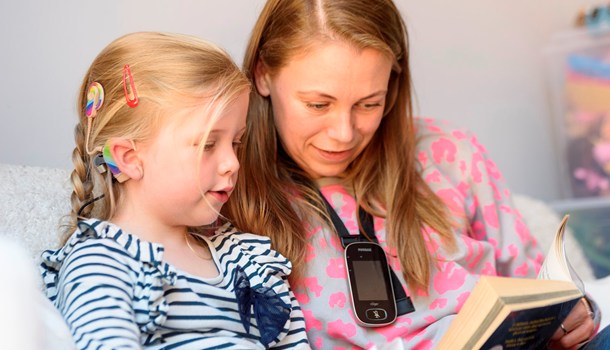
404,305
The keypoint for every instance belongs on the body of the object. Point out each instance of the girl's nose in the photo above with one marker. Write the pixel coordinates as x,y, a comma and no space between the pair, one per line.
228,163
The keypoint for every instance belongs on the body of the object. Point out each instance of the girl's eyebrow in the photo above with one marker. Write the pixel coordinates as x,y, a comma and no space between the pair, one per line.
215,132
218,130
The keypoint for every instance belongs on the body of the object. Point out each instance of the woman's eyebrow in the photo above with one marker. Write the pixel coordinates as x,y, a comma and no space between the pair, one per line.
325,95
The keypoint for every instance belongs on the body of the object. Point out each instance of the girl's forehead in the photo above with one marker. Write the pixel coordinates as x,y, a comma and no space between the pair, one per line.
198,115
194,117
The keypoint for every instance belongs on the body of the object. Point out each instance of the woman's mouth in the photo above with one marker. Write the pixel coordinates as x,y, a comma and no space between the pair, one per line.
335,156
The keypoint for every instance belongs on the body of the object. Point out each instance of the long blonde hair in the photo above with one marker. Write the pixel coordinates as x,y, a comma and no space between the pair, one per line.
169,71
275,198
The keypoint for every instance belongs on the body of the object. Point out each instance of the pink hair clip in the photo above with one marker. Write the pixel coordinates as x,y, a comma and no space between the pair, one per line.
132,95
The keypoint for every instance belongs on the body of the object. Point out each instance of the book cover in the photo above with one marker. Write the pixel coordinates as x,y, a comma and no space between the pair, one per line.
517,313
529,329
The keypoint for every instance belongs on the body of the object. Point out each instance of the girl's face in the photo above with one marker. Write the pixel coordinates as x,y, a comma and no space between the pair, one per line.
327,104
182,186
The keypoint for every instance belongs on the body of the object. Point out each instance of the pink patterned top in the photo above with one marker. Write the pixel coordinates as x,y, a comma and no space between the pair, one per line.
491,240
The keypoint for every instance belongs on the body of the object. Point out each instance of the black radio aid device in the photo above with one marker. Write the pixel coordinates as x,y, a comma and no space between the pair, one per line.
370,284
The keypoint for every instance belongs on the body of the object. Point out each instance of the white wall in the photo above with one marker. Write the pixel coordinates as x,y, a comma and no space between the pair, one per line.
476,63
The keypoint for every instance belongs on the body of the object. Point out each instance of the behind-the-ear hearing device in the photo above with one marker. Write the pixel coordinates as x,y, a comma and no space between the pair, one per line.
111,164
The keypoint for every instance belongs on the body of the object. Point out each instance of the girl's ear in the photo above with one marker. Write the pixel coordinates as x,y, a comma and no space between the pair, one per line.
262,79
122,159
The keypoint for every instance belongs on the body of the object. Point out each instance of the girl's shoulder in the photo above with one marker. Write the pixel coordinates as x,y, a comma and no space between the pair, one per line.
103,239
254,251
258,274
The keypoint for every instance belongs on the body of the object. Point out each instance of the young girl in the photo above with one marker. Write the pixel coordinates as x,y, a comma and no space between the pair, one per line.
160,118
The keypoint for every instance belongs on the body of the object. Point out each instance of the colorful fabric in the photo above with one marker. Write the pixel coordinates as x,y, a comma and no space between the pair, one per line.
116,292
492,239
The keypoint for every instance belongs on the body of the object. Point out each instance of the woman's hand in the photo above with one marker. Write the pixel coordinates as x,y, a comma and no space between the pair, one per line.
577,328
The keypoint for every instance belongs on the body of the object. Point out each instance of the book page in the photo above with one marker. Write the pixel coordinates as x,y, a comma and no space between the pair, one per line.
556,265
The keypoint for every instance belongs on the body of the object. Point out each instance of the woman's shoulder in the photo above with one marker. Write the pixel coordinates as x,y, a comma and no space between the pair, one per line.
444,142
437,128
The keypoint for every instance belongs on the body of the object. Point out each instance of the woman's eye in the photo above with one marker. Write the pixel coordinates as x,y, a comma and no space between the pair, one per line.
317,106
236,145
369,105
208,146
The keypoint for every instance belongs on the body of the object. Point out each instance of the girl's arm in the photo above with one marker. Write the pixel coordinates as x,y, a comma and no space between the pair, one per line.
296,337
95,293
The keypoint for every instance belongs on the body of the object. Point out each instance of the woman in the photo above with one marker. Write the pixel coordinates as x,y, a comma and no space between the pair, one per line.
330,126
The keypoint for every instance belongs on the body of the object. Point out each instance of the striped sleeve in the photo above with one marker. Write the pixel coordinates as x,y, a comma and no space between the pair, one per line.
267,268
295,338
95,289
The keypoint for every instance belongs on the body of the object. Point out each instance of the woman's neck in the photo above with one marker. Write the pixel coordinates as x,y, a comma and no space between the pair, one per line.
326,181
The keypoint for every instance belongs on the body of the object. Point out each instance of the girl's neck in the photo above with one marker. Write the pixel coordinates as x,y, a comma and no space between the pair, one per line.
192,257
149,229
150,223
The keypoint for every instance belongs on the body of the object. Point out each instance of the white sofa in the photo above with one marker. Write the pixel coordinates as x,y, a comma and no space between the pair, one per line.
33,199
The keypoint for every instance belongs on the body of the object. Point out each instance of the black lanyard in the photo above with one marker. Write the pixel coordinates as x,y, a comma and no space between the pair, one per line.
404,305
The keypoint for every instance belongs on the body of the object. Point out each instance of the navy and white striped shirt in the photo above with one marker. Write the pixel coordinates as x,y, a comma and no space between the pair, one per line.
116,292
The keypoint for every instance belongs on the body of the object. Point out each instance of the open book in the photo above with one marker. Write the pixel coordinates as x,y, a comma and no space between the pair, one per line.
517,313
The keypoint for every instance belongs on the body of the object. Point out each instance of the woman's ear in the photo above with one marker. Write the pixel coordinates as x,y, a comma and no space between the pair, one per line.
122,159
262,79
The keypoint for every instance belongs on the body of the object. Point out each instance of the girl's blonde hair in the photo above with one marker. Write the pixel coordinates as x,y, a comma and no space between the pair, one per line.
279,199
170,72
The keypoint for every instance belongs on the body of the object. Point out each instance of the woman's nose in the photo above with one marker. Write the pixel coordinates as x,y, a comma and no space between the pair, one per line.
341,126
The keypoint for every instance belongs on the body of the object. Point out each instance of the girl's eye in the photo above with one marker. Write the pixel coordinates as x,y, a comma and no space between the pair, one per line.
237,145
209,146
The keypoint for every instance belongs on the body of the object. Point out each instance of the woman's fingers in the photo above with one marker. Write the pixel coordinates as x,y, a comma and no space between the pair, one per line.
575,329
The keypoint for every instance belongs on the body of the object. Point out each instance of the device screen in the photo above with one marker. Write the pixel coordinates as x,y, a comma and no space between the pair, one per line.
370,285
369,280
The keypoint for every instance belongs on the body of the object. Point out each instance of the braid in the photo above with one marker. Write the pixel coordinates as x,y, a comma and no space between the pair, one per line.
86,180
82,186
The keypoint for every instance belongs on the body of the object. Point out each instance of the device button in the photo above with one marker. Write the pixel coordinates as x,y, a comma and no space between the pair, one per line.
376,314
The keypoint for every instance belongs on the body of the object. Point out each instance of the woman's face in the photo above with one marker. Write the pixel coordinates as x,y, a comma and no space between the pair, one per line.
327,104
